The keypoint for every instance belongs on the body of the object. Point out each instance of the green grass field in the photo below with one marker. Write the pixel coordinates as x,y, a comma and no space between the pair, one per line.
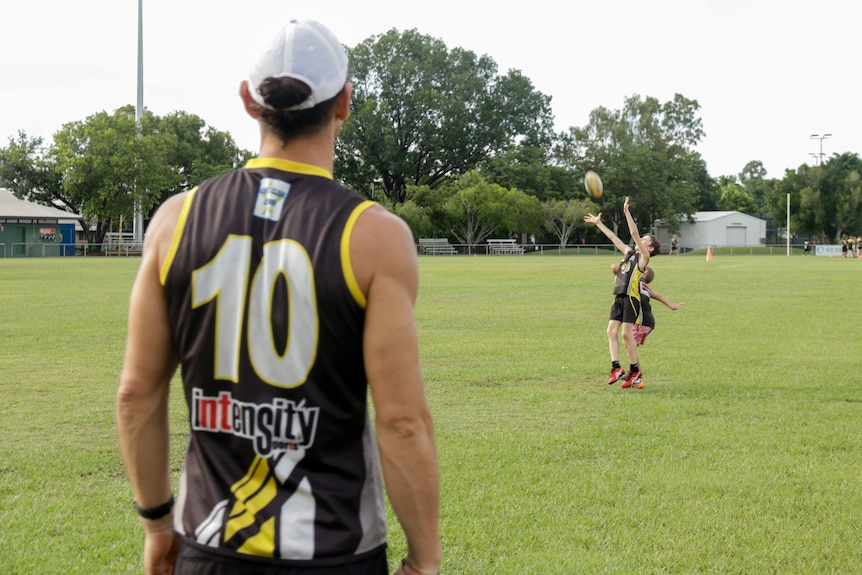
741,455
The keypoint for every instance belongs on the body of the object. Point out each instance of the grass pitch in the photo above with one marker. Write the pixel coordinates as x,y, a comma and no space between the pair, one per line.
739,456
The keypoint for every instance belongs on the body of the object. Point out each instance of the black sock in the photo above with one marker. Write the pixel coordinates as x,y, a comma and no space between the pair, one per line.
615,365
635,368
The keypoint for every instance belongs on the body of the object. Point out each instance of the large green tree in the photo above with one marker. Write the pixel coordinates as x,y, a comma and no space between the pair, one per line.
563,217
195,151
808,211
479,209
844,174
530,168
108,161
736,198
646,151
825,200
27,170
107,166
753,179
425,211
422,113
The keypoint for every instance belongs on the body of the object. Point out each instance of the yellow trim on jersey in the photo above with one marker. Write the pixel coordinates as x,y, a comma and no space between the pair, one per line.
253,493
634,290
288,166
178,234
262,544
346,264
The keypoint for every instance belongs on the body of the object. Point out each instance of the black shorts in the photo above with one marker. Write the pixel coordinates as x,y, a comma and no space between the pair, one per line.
626,309
192,561
648,319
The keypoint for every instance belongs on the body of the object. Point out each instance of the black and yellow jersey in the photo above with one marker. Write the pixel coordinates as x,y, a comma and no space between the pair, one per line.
267,320
629,276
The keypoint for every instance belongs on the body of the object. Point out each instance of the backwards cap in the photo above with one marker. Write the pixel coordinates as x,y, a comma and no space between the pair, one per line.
307,51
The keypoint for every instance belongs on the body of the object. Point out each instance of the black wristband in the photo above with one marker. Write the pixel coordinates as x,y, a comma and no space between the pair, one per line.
156,512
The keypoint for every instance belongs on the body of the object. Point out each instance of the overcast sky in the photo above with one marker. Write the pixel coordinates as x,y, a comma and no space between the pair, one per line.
767,73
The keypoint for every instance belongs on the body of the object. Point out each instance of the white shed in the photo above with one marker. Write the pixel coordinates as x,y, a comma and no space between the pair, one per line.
708,229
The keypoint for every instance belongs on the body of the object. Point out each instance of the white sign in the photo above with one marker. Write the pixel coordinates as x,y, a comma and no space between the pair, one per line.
828,251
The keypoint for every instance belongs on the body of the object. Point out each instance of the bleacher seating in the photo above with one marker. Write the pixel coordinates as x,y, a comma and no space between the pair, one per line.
504,247
121,244
436,246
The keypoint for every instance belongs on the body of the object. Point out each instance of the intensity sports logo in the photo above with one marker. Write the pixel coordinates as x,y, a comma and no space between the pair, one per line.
272,427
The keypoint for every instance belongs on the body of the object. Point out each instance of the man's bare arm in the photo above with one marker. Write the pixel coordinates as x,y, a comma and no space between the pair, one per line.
405,434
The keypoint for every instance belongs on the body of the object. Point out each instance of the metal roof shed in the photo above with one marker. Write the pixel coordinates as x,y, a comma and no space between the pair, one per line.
715,229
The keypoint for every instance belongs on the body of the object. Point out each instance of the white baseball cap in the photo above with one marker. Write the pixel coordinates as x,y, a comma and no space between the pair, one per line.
307,51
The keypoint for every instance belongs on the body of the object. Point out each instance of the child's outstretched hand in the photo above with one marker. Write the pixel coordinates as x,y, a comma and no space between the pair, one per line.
591,219
626,204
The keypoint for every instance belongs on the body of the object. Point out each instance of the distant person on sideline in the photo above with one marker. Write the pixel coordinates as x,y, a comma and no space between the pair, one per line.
284,298
626,308
674,245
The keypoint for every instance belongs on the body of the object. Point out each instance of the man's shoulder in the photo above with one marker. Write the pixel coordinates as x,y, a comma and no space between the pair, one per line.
382,223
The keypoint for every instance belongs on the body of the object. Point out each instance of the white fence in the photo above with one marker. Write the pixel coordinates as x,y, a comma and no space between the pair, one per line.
53,250
606,249
126,249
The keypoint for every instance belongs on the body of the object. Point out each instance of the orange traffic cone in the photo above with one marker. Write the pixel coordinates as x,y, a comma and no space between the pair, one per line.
709,254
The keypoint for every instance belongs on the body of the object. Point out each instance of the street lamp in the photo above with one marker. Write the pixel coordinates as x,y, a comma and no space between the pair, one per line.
138,227
821,138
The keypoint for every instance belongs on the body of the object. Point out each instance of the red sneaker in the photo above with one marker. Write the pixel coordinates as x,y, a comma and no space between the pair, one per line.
617,373
634,379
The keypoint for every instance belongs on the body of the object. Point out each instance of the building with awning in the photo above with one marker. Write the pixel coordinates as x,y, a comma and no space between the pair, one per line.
33,230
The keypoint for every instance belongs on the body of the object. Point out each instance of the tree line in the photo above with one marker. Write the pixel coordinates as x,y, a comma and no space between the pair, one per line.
455,147
101,166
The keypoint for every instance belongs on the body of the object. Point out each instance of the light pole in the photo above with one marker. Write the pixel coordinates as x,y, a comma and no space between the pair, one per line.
138,227
788,223
821,138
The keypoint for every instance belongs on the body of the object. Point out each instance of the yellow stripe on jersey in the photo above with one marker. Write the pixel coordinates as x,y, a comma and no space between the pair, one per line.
634,290
254,478
346,264
243,513
288,166
262,544
253,493
178,234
